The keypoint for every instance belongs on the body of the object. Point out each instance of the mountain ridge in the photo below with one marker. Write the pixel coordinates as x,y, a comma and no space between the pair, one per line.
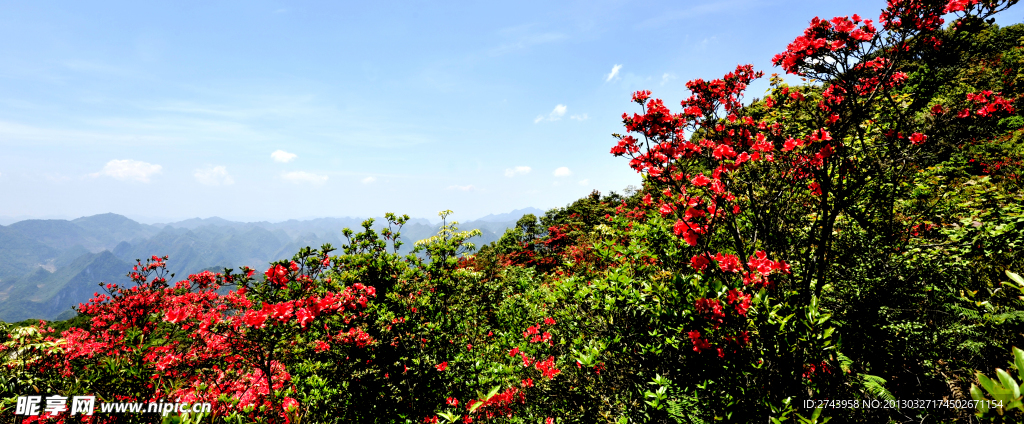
49,265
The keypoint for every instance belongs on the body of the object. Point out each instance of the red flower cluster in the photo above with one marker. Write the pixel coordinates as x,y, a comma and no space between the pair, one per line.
499,405
988,103
699,344
547,368
710,310
825,38
535,334
741,300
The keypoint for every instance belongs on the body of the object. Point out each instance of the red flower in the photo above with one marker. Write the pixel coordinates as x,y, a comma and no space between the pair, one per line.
442,366
699,262
791,144
530,330
699,344
255,319
175,316
917,139
815,188
665,209
452,401
304,317
700,180
641,96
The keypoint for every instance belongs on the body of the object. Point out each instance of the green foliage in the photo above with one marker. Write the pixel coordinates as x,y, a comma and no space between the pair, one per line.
999,399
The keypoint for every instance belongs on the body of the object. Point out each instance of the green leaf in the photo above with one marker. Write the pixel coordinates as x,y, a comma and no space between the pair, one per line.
977,394
828,332
493,392
989,385
1008,383
1018,361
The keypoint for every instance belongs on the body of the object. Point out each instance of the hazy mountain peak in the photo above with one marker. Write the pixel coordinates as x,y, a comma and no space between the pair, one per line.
511,216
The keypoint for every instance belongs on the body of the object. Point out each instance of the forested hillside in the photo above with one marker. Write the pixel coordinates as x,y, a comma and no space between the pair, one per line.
49,266
845,248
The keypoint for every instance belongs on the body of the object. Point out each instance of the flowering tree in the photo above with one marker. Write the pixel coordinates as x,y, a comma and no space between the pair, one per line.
761,195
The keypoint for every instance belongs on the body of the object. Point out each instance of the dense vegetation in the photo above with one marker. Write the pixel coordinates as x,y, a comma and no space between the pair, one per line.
851,237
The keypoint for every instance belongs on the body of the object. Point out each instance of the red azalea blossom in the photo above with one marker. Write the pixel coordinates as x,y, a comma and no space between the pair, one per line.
917,139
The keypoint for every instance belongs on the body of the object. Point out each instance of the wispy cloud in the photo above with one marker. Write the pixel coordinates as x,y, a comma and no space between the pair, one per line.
302,177
128,170
96,68
214,176
582,117
707,41
519,170
562,172
666,77
523,37
614,73
13,131
368,180
283,156
555,114
725,6
462,188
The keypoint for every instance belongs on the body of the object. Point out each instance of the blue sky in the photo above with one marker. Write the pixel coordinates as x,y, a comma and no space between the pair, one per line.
264,110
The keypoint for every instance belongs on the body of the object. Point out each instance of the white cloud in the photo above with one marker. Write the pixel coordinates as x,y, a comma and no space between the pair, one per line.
368,180
666,77
614,73
584,182
582,117
213,176
511,172
557,113
299,177
282,156
563,172
129,170
462,188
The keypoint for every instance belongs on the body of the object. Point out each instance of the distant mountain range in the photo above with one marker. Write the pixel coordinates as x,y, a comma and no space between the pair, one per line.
511,216
49,265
